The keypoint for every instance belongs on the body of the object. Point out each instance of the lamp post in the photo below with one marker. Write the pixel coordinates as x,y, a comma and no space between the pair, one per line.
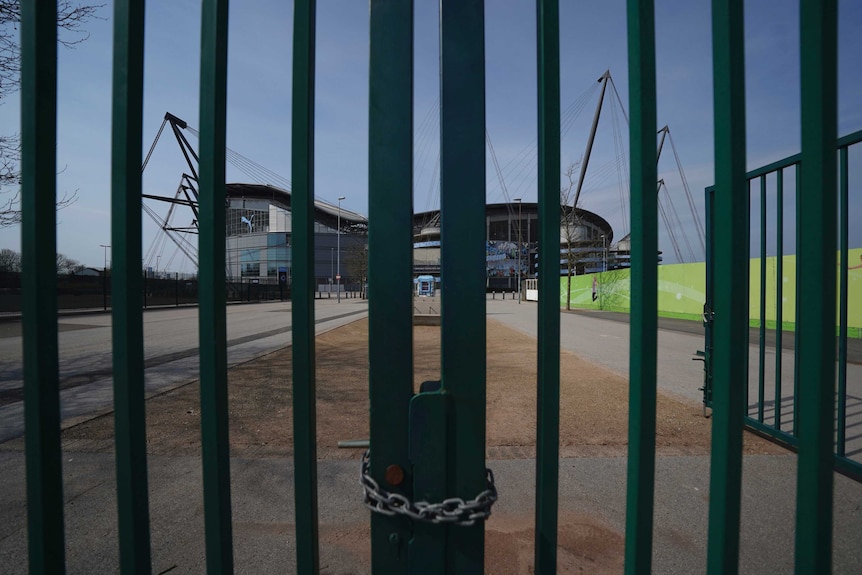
519,249
105,278
604,255
338,249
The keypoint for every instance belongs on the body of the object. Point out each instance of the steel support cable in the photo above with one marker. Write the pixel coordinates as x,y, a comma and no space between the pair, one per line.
433,195
237,159
668,227
597,177
498,172
527,165
625,169
620,155
526,173
528,155
255,170
620,101
700,230
678,222
674,217
151,251
155,245
423,141
573,111
246,167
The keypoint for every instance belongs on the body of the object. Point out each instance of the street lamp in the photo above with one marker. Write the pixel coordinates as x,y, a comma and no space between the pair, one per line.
604,255
519,249
338,257
105,278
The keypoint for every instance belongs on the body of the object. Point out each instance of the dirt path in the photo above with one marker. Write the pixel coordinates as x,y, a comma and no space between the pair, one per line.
593,404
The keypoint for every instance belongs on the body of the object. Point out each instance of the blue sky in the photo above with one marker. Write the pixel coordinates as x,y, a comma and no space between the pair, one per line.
593,40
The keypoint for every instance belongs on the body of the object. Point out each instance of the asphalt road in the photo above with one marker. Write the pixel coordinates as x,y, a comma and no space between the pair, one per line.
170,352
603,338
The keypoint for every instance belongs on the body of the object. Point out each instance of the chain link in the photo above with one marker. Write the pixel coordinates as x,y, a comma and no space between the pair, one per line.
451,511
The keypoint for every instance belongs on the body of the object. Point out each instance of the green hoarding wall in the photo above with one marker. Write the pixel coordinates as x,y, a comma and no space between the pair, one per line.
682,291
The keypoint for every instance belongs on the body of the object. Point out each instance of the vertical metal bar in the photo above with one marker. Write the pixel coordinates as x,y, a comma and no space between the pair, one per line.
779,290
302,310
644,281
800,221
843,223
548,369
390,257
462,202
816,287
761,367
213,332
39,286
732,214
128,325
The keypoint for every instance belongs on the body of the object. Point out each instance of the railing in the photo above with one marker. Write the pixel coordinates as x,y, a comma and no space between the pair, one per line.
769,413
459,402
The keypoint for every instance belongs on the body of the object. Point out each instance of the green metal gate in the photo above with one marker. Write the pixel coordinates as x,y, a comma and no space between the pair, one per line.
405,457
774,414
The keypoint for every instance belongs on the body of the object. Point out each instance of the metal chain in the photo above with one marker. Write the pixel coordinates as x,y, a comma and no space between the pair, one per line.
454,511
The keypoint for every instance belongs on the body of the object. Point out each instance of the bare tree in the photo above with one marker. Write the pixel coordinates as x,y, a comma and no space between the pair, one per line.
71,19
10,261
569,223
67,265
357,264
574,232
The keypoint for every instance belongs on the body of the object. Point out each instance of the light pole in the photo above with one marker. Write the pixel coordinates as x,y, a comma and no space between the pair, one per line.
519,249
604,255
338,256
105,278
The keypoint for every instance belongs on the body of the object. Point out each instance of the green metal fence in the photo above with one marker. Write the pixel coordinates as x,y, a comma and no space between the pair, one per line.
402,458
775,412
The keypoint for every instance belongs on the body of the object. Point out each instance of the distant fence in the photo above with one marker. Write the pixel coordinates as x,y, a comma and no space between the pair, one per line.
86,292
682,292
